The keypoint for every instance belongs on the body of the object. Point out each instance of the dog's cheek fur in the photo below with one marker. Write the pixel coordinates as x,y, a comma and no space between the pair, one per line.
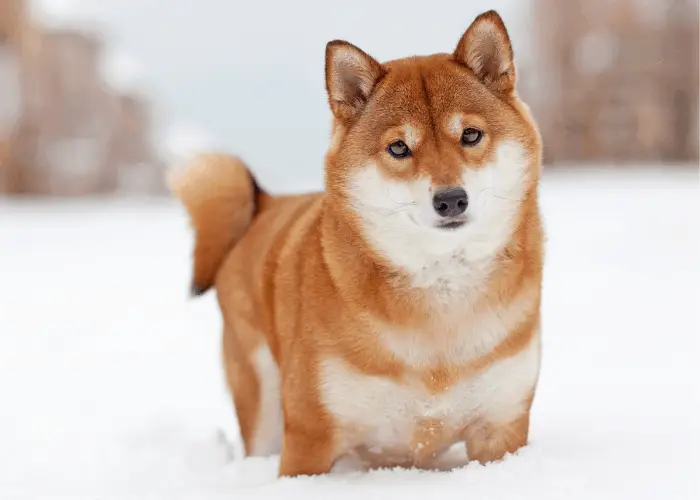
395,215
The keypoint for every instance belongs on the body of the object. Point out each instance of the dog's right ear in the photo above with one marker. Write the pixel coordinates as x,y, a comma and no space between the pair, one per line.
351,74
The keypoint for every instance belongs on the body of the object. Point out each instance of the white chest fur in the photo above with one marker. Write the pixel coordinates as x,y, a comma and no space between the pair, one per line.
384,413
475,338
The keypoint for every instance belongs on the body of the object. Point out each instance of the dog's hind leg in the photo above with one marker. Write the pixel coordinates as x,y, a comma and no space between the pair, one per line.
253,379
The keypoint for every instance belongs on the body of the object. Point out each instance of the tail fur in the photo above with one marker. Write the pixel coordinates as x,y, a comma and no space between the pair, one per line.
220,195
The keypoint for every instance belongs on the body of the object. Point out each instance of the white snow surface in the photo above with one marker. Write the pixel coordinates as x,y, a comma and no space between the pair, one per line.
111,383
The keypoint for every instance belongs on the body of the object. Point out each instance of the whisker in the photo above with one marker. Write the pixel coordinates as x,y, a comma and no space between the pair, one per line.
400,203
501,197
380,211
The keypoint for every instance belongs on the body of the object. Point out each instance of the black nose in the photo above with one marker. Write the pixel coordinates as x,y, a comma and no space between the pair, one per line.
450,202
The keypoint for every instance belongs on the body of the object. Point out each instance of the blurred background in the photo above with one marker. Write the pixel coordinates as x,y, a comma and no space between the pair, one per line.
98,98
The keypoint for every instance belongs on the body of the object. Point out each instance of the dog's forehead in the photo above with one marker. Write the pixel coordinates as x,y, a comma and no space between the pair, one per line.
425,88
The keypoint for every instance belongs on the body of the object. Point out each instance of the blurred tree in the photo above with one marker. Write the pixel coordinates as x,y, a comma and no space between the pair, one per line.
617,79
63,130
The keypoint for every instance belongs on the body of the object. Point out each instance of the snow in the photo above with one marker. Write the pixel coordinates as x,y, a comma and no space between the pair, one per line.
60,14
123,72
183,141
111,384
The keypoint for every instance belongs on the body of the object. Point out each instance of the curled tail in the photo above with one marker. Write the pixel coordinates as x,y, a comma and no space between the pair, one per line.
221,196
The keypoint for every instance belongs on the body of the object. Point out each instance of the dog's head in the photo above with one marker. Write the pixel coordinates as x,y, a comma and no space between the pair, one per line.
435,155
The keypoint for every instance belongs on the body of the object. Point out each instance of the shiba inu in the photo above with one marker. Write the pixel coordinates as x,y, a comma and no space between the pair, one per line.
395,315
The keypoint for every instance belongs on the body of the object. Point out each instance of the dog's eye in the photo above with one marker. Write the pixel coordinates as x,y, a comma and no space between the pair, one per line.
398,149
471,136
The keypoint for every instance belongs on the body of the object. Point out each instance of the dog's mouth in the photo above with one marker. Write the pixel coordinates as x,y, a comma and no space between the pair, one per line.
447,225
452,224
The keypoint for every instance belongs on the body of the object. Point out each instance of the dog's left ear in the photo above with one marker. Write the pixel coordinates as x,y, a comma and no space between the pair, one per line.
485,49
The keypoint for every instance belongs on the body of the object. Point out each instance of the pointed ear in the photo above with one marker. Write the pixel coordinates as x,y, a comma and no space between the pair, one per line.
350,77
485,49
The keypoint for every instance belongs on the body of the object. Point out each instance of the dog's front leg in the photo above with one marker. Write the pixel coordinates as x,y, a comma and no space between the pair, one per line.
306,452
489,442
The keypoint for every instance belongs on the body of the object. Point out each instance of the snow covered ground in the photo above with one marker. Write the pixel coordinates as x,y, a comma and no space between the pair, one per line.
110,381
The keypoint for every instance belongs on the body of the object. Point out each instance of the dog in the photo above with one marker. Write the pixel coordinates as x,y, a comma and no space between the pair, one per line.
394,317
